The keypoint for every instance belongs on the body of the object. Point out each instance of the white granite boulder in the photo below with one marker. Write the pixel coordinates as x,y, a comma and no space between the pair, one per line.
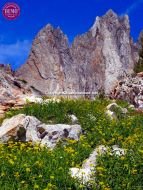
29,128
113,108
87,172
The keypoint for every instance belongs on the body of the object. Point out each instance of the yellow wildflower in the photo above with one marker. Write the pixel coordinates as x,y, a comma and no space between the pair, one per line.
28,169
22,182
3,174
69,150
16,174
134,171
36,186
52,177
11,162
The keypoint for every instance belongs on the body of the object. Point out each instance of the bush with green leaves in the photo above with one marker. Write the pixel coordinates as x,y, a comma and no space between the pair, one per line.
139,65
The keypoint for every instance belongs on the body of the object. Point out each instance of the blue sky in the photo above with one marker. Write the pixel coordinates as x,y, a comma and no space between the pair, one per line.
74,17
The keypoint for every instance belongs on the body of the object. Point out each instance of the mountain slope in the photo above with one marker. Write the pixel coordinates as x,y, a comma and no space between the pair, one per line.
96,60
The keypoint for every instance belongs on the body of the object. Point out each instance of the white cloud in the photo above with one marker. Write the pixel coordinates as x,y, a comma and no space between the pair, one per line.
133,6
15,54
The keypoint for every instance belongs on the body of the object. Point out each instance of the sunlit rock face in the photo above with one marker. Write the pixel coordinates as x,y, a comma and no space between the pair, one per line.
96,60
104,53
50,66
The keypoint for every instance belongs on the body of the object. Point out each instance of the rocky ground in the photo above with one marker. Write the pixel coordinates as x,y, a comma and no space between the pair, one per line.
14,93
130,89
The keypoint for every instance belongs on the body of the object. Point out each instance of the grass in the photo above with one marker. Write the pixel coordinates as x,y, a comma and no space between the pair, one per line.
24,167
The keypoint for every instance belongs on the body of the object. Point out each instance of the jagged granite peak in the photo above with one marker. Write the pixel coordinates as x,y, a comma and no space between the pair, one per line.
111,13
50,66
107,50
109,20
6,68
96,60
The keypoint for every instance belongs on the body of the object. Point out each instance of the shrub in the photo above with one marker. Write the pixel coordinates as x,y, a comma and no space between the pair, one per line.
139,65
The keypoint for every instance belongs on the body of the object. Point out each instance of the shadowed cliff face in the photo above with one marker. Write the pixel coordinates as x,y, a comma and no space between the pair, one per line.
10,89
95,60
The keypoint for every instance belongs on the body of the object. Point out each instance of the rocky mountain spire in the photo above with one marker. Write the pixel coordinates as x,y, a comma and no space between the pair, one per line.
50,67
107,51
96,60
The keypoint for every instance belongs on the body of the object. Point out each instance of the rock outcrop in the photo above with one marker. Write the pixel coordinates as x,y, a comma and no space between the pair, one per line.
14,92
50,67
105,52
30,129
96,60
11,89
130,89
114,111
87,172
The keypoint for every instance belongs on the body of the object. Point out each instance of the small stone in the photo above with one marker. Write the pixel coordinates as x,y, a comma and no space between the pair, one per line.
118,151
73,118
131,106
111,115
112,106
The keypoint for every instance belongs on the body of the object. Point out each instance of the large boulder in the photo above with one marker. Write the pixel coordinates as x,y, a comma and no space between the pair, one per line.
114,111
52,134
30,129
87,172
16,127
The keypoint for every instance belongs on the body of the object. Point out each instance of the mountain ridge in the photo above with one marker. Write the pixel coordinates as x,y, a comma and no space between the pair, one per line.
94,61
